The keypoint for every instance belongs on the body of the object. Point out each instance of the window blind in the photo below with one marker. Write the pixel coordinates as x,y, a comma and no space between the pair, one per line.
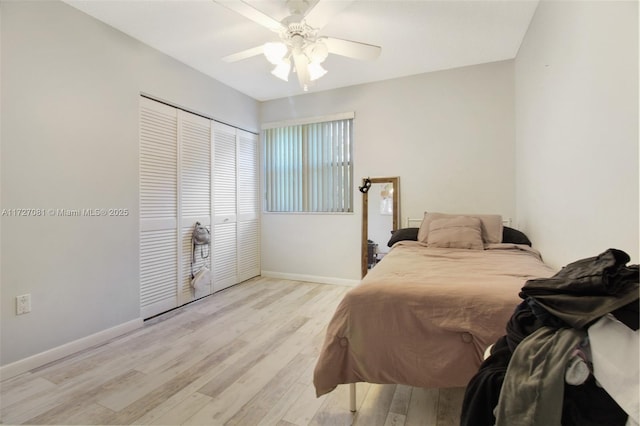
308,167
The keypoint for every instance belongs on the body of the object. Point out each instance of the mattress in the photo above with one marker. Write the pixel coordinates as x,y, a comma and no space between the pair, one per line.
423,316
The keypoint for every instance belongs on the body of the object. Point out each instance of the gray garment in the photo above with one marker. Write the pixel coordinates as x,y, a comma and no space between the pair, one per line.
533,388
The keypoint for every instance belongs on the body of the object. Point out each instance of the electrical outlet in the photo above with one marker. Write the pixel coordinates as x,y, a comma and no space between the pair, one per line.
23,304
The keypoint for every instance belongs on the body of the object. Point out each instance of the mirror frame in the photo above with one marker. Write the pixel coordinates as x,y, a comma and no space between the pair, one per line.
365,215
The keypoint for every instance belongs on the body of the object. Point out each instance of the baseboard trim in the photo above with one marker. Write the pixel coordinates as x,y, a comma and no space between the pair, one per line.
310,278
38,360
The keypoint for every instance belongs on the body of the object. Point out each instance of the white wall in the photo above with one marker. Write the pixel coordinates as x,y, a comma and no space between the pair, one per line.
576,80
70,91
449,136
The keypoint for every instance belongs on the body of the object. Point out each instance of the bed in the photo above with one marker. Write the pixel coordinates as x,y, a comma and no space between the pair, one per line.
425,314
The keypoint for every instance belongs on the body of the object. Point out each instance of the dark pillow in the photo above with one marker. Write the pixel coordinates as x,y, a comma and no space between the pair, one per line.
404,234
510,235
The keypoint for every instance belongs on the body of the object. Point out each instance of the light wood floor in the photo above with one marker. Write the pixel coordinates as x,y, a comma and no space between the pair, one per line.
244,356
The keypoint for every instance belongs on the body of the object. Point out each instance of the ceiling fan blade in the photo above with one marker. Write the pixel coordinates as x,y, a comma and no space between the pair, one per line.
352,49
251,13
319,15
254,51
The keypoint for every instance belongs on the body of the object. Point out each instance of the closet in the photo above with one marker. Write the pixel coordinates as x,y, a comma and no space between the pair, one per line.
236,244
193,169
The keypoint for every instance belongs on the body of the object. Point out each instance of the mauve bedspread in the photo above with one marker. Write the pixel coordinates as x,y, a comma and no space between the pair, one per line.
424,316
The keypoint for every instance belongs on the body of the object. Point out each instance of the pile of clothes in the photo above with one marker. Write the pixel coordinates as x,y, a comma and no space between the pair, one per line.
570,355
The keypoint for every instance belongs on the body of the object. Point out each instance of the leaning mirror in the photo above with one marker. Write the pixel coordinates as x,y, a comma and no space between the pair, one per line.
380,217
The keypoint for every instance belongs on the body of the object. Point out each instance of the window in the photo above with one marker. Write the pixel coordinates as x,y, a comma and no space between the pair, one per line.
308,166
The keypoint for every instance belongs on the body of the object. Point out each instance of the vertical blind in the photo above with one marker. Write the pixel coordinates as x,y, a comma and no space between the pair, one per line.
308,167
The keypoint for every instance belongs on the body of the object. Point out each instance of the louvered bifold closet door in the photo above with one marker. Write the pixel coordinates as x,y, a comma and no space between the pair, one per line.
195,197
248,206
224,206
158,208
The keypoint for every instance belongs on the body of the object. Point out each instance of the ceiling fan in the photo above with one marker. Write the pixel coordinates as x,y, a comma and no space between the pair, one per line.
300,44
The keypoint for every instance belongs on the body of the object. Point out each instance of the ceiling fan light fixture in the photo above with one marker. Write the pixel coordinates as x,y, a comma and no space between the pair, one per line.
316,71
275,51
282,70
301,49
317,52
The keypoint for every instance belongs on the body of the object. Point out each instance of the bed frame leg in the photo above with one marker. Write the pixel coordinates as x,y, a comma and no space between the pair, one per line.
352,397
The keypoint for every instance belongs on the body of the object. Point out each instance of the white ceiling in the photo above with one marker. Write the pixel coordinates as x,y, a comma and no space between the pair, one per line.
416,36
